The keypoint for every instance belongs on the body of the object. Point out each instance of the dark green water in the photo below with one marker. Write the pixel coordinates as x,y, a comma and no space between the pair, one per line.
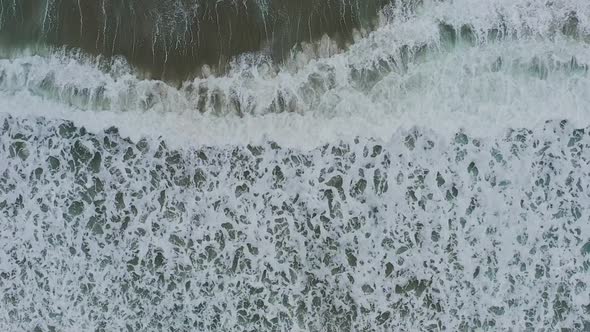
173,38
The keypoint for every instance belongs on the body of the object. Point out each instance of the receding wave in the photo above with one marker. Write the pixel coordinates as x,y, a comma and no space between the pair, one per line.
409,165
414,233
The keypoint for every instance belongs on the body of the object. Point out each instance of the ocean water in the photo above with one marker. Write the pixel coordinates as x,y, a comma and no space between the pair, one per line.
429,171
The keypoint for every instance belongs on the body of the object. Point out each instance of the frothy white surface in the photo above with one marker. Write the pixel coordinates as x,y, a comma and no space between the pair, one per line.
513,67
402,194
412,234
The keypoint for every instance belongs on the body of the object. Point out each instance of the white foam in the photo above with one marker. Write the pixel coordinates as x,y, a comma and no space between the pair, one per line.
445,92
399,76
409,228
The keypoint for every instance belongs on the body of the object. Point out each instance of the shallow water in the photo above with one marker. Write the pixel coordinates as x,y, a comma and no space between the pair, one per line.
432,175
170,38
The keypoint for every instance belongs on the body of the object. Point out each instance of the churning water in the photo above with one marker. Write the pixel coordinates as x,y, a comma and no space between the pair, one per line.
427,170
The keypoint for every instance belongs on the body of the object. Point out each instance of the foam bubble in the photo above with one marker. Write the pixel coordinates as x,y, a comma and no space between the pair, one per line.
432,176
457,64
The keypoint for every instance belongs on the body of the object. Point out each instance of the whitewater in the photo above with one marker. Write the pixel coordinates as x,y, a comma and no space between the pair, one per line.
431,175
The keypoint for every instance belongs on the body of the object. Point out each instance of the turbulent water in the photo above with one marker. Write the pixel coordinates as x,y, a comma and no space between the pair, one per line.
417,165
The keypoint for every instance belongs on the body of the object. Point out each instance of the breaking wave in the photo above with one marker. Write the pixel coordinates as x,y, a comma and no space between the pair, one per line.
429,172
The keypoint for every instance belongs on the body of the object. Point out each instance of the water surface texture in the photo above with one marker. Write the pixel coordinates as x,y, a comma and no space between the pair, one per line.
386,166
169,38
